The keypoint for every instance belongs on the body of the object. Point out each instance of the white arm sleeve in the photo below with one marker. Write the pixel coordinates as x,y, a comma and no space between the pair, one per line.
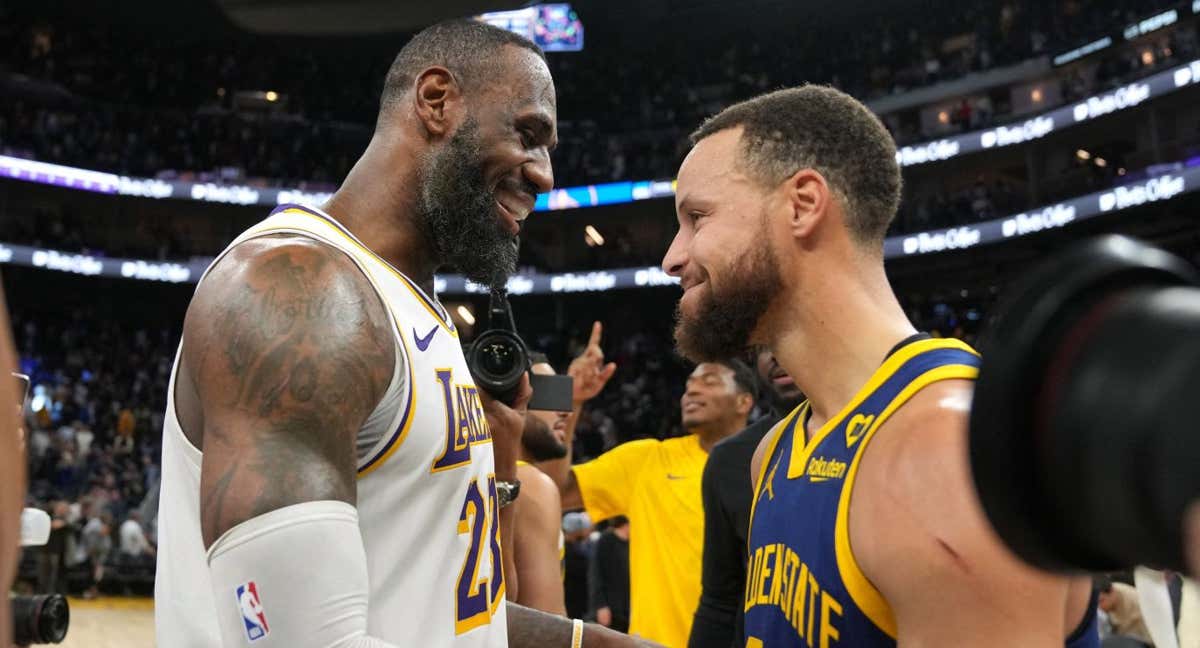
295,577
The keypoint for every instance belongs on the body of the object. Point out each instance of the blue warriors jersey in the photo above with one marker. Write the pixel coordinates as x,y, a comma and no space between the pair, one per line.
804,586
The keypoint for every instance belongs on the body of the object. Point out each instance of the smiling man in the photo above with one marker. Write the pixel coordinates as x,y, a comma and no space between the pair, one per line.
332,477
656,484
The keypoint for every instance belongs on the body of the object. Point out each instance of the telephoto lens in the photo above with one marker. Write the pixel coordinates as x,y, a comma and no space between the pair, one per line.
1083,442
41,619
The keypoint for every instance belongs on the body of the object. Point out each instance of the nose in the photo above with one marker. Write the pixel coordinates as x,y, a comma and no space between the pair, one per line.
676,258
539,172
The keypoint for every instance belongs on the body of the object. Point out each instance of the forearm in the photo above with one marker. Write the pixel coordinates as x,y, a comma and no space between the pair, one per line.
506,470
532,629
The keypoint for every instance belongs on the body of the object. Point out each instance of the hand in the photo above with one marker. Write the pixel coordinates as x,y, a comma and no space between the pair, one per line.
604,617
507,424
589,372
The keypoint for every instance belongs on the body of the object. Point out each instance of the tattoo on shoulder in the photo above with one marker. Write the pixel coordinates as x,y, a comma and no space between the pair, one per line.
299,357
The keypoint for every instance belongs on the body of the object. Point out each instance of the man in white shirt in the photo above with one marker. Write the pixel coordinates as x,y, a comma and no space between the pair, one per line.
133,538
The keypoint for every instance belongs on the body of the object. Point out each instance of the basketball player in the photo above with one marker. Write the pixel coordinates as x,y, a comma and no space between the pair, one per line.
728,493
331,475
656,484
545,449
783,204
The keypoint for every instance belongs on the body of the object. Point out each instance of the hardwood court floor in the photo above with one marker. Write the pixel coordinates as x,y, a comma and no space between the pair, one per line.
111,622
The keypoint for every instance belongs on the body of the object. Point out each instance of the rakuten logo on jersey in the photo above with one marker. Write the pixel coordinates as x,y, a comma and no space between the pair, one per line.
952,239
1119,99
1048,218
931,152
654,277
1160,188
287,196
1005,136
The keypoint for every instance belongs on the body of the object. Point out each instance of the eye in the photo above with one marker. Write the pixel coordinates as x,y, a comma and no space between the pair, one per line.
527,138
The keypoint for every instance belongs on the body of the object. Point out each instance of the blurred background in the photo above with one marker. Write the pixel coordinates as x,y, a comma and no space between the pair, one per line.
138,138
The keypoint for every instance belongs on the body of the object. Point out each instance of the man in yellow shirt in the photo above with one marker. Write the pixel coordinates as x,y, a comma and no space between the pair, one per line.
656,484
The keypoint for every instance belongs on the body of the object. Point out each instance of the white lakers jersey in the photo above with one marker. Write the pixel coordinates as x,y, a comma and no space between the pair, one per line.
427,502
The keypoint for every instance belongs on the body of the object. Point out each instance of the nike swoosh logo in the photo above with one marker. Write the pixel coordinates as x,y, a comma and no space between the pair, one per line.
423,342
674,477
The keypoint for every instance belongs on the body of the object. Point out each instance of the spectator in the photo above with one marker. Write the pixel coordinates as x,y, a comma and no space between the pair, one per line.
609,576
134,544
96,546
52,567
1119,602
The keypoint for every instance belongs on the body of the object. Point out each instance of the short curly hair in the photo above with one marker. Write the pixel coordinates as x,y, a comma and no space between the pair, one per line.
818,127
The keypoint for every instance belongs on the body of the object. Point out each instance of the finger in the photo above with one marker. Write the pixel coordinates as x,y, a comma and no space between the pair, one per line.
608,371
597,329
524,393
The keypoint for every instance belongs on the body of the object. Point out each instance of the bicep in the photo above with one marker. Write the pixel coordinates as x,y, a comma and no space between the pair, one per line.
938,552
536,544
289,352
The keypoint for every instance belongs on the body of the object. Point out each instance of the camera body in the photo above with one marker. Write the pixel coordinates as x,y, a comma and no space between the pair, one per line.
499,358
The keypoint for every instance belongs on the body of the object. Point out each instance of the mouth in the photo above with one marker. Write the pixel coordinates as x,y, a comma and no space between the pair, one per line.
511,219
782,380
692,406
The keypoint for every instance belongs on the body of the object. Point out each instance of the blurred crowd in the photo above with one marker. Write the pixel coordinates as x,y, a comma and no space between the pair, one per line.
92,431
78,94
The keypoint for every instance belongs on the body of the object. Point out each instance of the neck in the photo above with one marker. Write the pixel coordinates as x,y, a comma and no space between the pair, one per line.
377,203
711,435
831,336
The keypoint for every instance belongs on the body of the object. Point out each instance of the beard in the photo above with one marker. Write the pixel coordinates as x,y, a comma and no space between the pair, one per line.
457,212
539,440
723,322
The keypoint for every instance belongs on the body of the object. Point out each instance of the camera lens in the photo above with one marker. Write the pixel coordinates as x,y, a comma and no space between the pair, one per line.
497,358
40,619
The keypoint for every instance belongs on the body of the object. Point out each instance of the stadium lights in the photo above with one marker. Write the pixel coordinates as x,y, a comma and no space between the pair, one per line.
220,92
1121,171
466,315
272,95
592,236
1083,155
1036,95
1101,162
944,117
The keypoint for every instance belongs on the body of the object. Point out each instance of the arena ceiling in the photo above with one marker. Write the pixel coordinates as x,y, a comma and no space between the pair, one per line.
330,17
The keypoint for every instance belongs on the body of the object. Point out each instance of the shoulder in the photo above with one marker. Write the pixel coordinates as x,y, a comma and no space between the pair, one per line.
746,441
536,485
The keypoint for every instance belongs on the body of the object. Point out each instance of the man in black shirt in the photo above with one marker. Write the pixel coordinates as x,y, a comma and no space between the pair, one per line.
610,576
728,490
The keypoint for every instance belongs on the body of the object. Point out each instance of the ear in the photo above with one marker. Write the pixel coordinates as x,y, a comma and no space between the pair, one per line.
745,403
437,94
809,198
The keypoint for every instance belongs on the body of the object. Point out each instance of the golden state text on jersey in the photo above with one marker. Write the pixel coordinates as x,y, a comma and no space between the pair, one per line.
803,584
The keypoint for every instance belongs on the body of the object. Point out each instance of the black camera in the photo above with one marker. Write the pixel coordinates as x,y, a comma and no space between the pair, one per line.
1083,442
41,619
499,358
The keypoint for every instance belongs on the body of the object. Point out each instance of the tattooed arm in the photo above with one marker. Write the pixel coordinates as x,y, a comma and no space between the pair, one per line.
286,352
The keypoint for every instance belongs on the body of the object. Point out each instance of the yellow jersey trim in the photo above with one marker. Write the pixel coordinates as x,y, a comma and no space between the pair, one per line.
777,435
408,283
861,590
801,451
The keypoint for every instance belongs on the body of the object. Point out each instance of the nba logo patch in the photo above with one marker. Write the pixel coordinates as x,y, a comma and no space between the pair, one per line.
253,614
